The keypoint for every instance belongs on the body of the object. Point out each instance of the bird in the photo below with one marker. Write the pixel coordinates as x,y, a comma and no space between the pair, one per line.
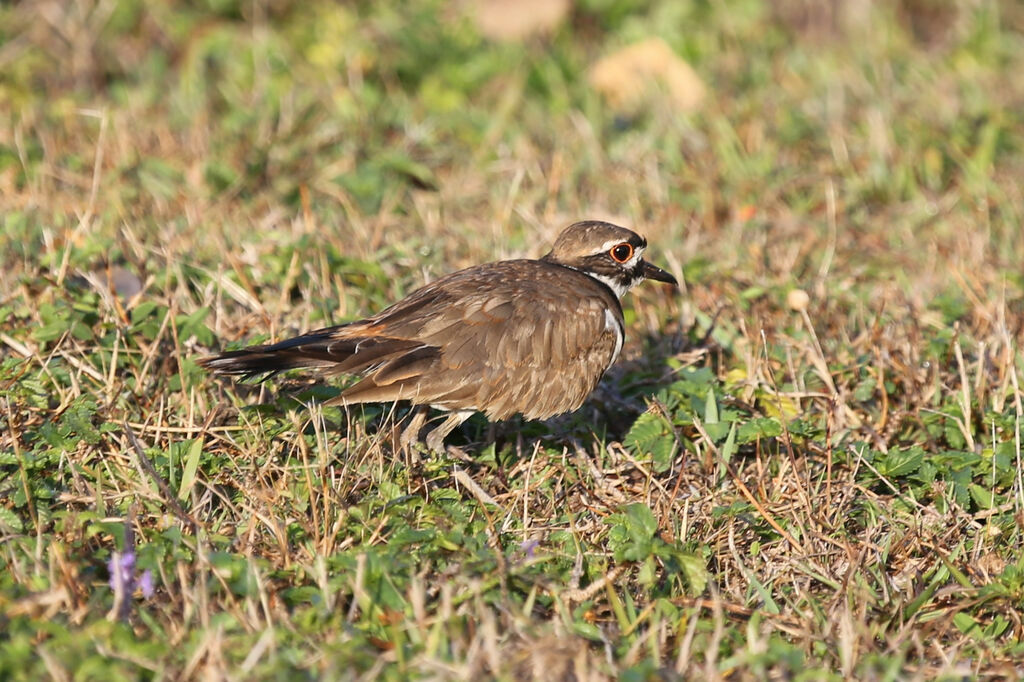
525,336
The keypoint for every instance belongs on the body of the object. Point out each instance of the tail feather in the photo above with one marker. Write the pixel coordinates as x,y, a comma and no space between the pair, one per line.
328,349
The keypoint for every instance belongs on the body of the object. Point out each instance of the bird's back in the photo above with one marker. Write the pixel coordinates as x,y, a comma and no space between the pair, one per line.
521,336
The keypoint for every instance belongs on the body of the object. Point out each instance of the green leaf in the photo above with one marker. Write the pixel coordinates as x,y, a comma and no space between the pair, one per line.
758,428
78,420
188,474
192,325
632,535
997,627
695,570
710,407
763,592
901,462
718,431
588,631
647,428
966,624
652,435
648,572
11,520
51,331
729,448
142,311
865,390
642,518
983,497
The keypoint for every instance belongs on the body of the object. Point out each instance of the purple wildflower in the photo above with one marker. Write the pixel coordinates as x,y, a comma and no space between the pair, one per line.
122,575
529,547
146,583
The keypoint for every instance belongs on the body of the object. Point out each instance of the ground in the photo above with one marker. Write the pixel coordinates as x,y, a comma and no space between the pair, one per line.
807,462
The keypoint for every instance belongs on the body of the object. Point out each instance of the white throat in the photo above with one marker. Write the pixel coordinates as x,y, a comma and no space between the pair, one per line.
614,284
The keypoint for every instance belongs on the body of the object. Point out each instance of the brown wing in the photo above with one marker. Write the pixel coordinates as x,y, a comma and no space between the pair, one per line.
537,347
470,340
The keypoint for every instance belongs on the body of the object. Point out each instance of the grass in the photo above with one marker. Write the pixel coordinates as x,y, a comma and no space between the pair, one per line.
805,465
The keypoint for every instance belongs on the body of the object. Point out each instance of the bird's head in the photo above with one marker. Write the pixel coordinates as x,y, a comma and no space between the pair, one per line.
610,254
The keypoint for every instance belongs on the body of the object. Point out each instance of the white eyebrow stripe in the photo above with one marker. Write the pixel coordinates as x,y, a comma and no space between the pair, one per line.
612,242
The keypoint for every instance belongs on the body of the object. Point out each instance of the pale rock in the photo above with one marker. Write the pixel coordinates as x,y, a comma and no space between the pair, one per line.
628,77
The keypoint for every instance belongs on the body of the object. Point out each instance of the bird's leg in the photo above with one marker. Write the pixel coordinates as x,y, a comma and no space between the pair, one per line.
435,439
411,433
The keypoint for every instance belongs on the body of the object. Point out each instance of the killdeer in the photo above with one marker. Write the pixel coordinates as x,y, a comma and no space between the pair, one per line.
530,337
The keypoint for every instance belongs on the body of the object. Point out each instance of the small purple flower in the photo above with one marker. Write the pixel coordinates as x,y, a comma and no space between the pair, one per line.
122,570
122,575
146,583
529,547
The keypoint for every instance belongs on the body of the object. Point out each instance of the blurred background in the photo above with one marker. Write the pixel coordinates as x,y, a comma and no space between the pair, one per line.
770,143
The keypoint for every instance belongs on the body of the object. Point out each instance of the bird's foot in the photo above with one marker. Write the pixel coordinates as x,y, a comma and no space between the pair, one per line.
411,433
435,439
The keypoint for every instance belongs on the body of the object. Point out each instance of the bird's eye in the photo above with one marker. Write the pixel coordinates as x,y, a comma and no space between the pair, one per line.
621,253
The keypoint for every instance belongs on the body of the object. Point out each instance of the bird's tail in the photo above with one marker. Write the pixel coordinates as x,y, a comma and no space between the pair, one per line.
306,351
343,349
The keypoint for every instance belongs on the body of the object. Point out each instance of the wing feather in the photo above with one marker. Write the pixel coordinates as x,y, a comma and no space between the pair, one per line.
471,339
